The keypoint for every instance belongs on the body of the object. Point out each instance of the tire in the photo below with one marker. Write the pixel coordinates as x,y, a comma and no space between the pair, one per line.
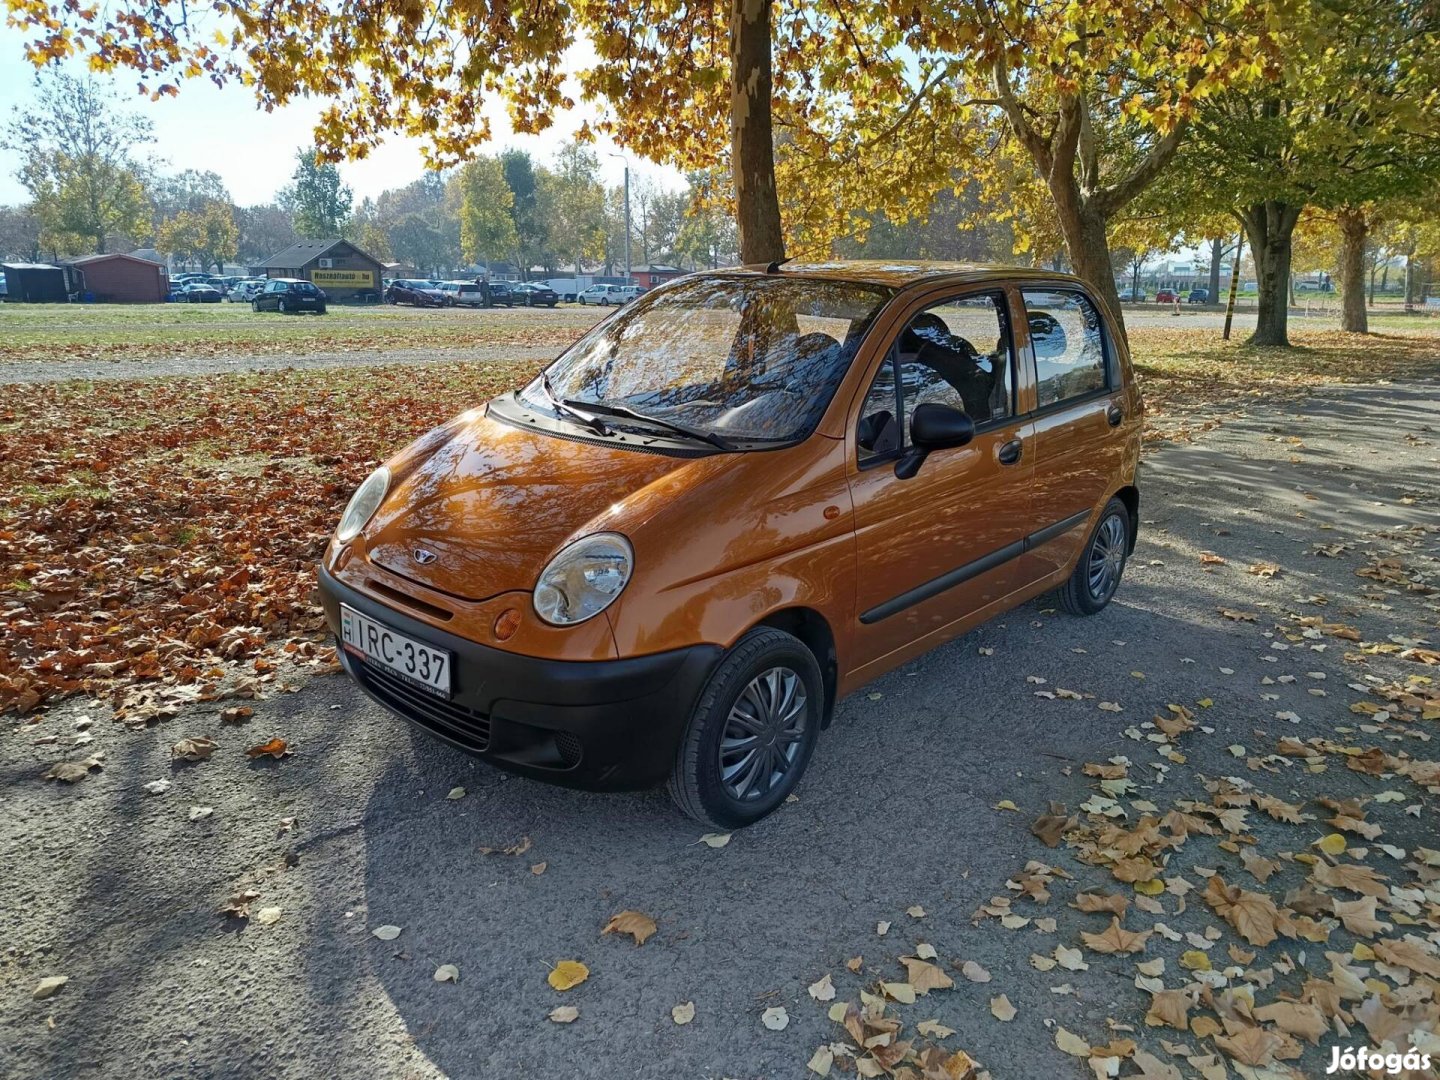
748,676
255,305
320,310
1102,562
280,307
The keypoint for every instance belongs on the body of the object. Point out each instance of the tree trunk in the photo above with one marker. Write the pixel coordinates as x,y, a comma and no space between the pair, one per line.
752,147
1270,226
1217,250
1353,231
1089,250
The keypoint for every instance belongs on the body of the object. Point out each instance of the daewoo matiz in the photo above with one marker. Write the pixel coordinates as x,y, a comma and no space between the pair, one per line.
730,504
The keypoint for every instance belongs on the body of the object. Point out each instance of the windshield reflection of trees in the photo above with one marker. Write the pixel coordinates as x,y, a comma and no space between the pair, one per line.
755,358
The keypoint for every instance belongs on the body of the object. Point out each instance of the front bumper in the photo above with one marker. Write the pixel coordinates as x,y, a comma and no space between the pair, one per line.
604,725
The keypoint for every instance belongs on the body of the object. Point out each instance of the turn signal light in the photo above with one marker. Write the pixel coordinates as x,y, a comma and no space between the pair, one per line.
507,624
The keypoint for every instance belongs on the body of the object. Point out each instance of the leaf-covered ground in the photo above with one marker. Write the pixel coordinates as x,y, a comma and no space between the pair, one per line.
1192,837
152,530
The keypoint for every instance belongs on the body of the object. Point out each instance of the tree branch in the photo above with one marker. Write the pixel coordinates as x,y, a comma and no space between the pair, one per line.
1110,199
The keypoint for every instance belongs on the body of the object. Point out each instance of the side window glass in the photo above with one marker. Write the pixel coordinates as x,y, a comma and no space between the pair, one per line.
1069,345
879,430
957,353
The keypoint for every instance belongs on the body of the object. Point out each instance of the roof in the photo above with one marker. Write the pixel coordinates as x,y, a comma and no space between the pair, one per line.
301,253
84,259
899,275
661,268
29,266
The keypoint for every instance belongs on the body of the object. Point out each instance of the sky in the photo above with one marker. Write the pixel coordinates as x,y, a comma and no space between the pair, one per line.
223,130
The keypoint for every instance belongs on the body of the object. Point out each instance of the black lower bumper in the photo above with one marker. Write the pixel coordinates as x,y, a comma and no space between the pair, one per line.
610,725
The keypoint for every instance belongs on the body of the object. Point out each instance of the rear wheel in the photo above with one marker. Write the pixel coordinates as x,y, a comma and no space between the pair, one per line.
320,310
280,307
1102,563
751,733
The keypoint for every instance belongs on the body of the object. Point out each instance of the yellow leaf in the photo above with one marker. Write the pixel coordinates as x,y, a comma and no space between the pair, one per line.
1194,960
637,925
1153,887
1334,844
567,974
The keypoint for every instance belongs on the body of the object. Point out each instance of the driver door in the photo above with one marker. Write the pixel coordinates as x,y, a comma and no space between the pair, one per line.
937,550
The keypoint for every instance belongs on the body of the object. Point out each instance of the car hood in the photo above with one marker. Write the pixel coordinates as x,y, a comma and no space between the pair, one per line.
493,503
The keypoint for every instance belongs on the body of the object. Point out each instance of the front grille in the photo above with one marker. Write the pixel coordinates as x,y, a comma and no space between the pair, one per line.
454,721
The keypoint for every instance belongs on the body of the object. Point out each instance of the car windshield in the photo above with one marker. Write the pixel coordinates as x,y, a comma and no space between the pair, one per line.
746,358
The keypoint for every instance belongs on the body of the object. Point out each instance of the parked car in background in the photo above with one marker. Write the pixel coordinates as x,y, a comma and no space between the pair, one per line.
1198,296
201,292
1136,296
535,294
463,293
287,295
244,290
415,292
631,292
1166,296
4,289
605,295
501,294
695,622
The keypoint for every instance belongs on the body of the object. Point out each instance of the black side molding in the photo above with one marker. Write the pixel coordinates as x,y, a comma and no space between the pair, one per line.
962,574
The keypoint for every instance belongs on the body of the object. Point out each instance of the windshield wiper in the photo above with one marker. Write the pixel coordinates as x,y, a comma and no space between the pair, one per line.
718,441
590,420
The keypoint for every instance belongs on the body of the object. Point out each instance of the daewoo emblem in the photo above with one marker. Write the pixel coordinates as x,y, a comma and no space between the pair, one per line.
423,557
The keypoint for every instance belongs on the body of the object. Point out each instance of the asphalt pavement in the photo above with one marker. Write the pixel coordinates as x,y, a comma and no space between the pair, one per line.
118,889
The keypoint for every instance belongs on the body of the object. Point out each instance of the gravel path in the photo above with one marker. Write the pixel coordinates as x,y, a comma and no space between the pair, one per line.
117,889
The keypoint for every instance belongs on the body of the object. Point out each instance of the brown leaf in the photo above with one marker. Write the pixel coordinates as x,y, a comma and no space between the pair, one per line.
1050,827
276,748
638,926
1411,953
196,748
1116,939
518,848
1250,1046
1169,1008
925,976
1359,879
1097,902
1001,1009
239,904
1253,915
1294,1018
1359,916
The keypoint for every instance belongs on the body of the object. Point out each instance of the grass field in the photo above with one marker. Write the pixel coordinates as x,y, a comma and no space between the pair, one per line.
30,332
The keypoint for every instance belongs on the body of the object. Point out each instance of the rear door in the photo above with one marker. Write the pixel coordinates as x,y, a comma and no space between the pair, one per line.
1079,436
935,549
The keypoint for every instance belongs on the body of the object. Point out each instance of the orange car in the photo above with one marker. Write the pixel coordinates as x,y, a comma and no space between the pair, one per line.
730,504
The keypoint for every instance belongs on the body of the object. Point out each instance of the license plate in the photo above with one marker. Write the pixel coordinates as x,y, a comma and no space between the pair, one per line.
422,665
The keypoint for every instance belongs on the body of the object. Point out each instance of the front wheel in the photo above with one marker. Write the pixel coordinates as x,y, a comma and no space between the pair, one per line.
254,305
320,310
280,307
1102,563
751,733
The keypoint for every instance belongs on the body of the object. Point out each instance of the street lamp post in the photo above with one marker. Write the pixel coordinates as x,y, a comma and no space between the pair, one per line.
623,158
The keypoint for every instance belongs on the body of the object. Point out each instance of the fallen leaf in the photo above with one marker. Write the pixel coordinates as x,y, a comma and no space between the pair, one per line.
1072,1044
567,974
386,932
634,923
901,992
157,787
925,976
1001,1009
49,986
239,904
456,793
1249,1046
199,812
974,972
447,973
538,868
683,1013
821,1061
1253,915
276,748
823,989
933,1029
564,1014
1116,939
196,748
714,840
915,912
775,1018
518,848
267,916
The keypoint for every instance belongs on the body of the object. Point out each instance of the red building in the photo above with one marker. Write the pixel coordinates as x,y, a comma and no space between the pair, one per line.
122,279
656,274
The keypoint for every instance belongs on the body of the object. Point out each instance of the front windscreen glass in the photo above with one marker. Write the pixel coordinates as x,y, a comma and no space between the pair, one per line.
744,358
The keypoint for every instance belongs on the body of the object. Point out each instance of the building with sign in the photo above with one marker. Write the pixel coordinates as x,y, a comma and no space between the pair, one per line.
340,268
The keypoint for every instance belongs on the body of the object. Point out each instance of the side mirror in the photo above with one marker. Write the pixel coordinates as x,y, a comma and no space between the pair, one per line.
933,427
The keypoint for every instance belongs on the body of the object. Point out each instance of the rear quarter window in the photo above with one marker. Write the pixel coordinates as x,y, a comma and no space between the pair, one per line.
1071,352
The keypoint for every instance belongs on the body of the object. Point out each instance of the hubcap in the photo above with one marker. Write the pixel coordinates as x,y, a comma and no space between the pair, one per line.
1107,557
762,735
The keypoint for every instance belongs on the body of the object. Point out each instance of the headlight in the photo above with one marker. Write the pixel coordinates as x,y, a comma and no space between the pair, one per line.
363,504
584,579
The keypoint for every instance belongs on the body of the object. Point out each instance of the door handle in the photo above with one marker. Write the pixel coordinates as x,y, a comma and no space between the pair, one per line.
1115,415
1010,452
